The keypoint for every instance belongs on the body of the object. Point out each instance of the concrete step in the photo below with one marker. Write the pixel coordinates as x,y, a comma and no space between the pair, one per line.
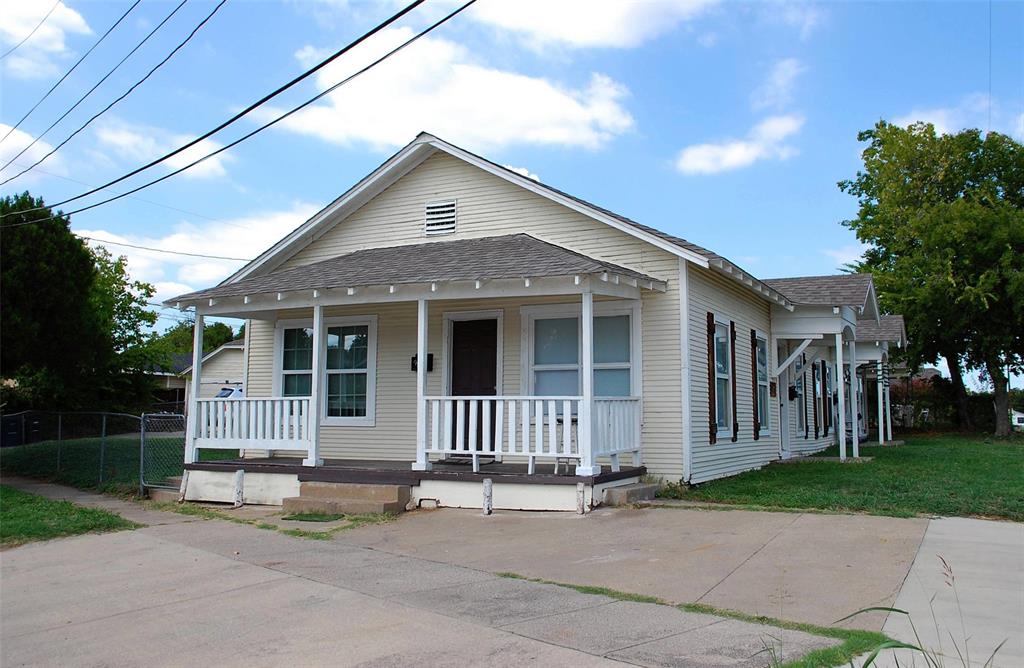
300,504
161,494
342,491
175,481
626,495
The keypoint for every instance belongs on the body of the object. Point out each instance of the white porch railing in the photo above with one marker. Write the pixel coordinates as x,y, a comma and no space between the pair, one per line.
543,427
281,423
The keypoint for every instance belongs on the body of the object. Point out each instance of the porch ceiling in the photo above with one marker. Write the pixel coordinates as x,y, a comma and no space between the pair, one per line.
519,257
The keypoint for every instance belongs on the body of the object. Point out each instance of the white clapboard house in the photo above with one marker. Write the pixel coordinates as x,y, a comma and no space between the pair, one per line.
447,321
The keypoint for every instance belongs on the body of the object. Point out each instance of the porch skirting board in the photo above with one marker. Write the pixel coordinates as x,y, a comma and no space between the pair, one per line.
270,484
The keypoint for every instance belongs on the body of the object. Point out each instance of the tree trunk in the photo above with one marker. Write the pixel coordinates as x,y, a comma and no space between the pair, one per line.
1002,399
959,391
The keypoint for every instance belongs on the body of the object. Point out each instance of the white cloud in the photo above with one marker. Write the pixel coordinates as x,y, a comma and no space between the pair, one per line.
140,144
13,145
436,85
523,171
172,275
846,254
766,141
708,40
38,57
777,90
972,111
588,24
803,16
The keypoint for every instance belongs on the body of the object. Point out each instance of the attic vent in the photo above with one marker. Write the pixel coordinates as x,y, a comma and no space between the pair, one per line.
440,217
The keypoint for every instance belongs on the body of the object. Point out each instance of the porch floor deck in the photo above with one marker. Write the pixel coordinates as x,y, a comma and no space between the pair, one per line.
392,472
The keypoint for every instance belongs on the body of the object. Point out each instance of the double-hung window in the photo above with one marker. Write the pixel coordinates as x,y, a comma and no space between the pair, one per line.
801,407
723,379
348,354
552,351
763,408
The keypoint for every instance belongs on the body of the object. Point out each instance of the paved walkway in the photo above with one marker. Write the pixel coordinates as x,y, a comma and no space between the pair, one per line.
986,560
185,591
802,567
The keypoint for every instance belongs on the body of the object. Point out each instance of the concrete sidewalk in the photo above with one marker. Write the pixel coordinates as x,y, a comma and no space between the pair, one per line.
987,563
800,567
186,591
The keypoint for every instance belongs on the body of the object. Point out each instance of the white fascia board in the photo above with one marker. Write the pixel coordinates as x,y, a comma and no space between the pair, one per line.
210,355
730,270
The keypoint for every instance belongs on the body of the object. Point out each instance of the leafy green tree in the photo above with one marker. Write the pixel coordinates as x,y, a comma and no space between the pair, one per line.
178,339
944,215
51,338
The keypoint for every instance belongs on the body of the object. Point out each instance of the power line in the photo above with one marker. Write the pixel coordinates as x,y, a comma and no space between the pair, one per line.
245,111
77,63
159,250
123,95
260,128
29,36
97,85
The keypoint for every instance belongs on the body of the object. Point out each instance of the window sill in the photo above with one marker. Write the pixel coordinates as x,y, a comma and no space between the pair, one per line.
348,422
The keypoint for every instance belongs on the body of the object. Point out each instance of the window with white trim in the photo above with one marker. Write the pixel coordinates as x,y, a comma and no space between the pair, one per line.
296,362
553,350
723,379
348,353
763,407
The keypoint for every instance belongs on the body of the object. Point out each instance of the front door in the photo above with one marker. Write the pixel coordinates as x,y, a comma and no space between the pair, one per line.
474,364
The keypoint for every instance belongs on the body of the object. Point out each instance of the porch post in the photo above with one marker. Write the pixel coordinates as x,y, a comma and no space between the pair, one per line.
881,403
888,405
193,400
316,391
853,399
422,462
587,466
841,390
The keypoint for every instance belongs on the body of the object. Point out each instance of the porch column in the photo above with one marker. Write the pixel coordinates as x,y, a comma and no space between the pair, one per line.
881,403
587,466
316,393
841,390
853,399
422,462
192,423
888,405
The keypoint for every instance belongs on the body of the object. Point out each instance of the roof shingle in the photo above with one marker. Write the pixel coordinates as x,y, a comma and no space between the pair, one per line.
504,257
839,290
889,328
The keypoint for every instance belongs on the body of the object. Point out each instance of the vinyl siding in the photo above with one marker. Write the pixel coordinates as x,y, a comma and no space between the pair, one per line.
487,206
709,292
224,369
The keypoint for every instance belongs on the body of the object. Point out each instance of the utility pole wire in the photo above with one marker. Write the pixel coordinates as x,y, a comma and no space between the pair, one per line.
77,63
29,36
252,106
260,128
123,96
161,250
98,83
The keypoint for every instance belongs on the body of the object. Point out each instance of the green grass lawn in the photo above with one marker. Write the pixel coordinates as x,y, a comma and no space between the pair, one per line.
76,462
952,475
27,517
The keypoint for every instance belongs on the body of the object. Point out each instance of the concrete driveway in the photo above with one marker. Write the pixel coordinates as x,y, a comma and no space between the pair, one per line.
185,592
799,567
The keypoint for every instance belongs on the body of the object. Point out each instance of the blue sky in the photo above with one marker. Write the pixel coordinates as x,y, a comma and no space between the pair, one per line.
726,123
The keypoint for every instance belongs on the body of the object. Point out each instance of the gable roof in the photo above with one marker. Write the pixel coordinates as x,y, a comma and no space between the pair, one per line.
487,258
886,328
855,290
234,344
425,145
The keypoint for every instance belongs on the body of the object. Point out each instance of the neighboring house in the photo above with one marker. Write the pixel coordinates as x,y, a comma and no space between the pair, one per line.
222,369
171,387
447,310
1016,420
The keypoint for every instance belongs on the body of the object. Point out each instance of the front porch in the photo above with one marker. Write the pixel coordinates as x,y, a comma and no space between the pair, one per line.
536,376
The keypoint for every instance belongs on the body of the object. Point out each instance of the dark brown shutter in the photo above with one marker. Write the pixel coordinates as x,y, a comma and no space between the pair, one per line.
712,412
753,383
814,401
826,416
732,367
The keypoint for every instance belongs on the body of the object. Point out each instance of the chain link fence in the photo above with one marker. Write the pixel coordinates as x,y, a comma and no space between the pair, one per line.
94,450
